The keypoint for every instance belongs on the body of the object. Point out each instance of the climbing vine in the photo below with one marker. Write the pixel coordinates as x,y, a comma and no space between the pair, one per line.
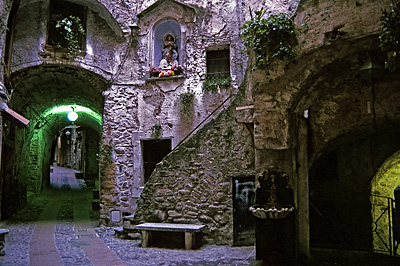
106,152
156,131
390,37
270,38
212,84
69,29
187,102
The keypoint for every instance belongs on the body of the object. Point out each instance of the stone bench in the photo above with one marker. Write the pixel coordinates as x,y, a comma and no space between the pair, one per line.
3,233
188,229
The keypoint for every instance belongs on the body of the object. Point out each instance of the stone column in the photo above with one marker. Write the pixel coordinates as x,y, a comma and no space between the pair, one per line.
303,190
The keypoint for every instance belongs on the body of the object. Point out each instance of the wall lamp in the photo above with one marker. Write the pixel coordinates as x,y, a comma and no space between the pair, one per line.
134,33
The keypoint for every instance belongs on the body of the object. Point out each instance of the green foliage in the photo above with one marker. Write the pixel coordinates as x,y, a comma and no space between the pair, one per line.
270,38
3,27
106,151
187,101
69,28
390,37
156,131
211,84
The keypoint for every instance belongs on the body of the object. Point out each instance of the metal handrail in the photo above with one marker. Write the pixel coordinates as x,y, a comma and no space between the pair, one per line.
193,130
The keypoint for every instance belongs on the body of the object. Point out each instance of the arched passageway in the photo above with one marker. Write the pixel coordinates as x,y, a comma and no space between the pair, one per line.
45,95
340,207
352,122
382,195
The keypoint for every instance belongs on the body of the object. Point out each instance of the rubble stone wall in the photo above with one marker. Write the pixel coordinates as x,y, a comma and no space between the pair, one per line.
193,184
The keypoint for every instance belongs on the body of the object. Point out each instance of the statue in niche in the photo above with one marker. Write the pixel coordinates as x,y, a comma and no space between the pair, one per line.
169,52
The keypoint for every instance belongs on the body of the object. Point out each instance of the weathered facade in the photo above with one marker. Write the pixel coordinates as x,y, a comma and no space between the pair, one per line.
328,119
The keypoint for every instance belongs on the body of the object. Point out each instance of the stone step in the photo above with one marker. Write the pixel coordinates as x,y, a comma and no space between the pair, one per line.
128,217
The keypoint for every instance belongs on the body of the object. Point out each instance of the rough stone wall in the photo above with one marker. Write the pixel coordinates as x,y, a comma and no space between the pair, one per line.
318,102
104,48
148,102
134,104
193,184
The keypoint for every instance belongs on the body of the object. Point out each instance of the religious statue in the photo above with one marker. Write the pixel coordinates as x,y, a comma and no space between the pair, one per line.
169,52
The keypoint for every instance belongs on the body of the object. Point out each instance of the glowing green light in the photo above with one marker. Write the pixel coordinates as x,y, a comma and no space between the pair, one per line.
77,109
72,116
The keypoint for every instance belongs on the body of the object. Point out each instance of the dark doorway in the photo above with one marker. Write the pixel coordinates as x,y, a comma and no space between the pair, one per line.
243,221
153,152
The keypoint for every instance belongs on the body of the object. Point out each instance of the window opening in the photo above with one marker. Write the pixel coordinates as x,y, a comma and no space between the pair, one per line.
73,12
153,152
218,64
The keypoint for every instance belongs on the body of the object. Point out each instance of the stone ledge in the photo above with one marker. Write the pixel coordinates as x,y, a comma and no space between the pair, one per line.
170,78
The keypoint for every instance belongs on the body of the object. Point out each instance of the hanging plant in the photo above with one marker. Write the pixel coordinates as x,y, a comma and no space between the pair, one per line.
156,131
270,38
390,37
187,101
69,30
212,84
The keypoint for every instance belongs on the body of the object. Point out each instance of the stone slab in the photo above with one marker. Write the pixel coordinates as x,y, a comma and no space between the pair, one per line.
170,227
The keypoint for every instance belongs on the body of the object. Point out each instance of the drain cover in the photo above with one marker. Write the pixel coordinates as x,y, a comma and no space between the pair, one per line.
80,244
87,235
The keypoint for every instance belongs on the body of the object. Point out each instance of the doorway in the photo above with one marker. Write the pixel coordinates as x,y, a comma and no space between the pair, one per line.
153,152
243,221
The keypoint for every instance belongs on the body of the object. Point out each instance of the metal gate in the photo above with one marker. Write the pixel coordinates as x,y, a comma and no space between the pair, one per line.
382,225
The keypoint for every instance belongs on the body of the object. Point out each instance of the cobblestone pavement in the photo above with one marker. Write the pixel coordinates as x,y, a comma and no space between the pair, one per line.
57,229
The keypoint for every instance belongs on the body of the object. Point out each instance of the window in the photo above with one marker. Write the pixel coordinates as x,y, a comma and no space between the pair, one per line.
60,10
218,65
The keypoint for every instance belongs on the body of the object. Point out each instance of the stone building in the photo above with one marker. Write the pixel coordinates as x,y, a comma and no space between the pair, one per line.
186,146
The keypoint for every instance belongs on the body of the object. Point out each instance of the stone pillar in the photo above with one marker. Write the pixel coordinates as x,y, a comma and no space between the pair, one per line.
303,227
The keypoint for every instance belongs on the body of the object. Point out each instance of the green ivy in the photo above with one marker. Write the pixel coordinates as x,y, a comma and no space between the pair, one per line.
390,37
69,28
106,151
187,101
270,38
211,84
156,131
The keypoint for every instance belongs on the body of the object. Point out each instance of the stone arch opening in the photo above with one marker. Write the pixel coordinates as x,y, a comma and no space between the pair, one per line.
43,94
351,126
383,184
340,179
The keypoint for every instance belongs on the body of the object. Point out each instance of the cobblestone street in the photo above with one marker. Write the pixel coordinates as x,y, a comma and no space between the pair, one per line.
58,228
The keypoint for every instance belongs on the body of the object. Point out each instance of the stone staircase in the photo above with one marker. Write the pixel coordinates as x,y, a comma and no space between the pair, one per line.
128,230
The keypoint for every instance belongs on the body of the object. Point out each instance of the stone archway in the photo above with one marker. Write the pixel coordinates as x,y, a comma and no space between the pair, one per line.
40,93
382,186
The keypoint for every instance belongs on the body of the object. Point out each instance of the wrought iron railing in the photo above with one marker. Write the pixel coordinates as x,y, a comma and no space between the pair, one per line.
383,223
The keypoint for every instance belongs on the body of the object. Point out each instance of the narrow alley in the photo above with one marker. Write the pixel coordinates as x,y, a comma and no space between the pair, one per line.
59,228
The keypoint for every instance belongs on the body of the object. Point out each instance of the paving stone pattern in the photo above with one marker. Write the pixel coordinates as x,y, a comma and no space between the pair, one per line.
53,226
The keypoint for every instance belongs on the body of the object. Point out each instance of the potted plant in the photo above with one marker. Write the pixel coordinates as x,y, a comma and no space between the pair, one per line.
178,69
155,71
68,31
